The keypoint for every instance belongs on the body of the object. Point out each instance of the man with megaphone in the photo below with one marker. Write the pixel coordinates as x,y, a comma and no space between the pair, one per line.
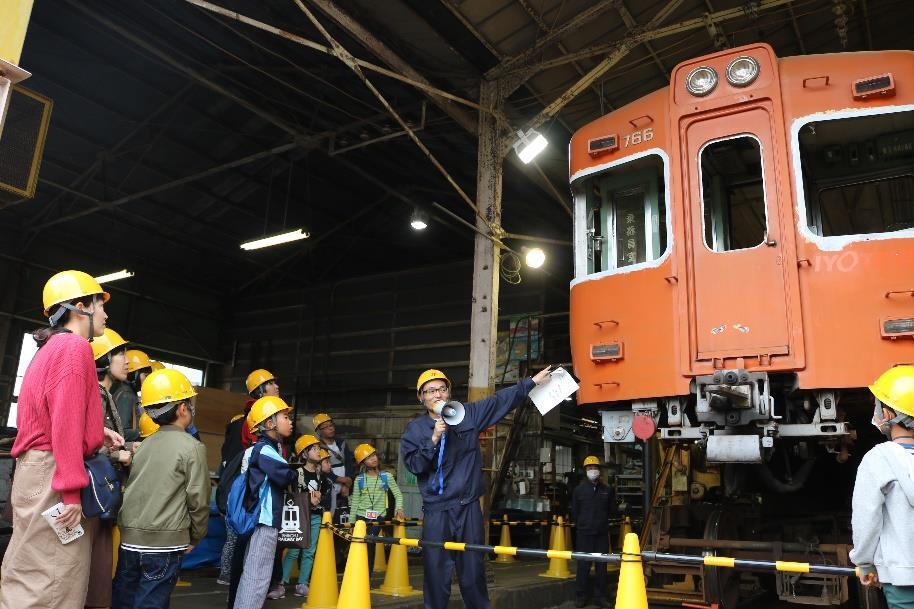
442,450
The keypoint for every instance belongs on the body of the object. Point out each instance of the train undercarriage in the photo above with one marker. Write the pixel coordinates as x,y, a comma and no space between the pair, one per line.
748,466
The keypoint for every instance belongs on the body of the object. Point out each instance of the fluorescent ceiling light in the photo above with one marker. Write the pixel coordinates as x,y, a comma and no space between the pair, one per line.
535,257
295,235
122,274
529,145
419,221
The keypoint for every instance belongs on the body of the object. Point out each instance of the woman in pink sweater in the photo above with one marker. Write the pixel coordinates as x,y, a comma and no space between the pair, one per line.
59,420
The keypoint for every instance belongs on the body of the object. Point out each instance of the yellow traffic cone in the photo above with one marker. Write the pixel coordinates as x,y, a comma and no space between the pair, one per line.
625,527
323,592
631,593
380,560
552,531
568,544
396,581
355,591
558,555
505,541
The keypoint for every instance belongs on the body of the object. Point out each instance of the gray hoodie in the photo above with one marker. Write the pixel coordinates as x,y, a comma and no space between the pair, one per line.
883,516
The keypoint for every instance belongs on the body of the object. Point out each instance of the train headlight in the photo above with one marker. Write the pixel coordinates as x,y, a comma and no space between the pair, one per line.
701,81
742,71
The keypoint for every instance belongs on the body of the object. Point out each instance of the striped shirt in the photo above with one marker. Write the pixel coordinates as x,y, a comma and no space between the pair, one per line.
372,495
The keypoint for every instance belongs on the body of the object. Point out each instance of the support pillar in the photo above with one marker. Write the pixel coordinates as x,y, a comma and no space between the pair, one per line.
486,261
486,255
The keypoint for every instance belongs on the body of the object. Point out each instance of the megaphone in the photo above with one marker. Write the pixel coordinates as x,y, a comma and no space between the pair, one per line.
453,413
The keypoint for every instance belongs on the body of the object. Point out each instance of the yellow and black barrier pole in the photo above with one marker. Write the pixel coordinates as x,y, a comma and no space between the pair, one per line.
645,556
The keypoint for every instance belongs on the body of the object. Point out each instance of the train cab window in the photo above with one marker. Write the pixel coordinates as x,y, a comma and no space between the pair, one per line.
733,194
625,214
858,174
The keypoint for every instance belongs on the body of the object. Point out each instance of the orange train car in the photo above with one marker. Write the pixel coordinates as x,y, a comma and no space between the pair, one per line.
744,260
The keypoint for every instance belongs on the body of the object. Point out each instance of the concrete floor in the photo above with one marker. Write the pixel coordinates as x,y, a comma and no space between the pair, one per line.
517,586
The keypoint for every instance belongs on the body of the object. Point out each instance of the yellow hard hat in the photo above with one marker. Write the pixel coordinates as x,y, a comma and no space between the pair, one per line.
157,366
591,460
263,409
258,378
106,343
895,389
430,375
147,426
165,387
363,451
319,419
305,442
68,285
325,454
137,360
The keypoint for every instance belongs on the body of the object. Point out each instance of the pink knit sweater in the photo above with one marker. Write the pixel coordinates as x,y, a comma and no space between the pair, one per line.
59,410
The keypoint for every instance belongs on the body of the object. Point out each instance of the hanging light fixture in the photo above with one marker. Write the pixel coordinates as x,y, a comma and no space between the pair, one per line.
529,145
419,220
295,235
534,257
122,274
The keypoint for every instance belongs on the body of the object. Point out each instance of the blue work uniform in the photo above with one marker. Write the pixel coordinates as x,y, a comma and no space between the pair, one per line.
450,480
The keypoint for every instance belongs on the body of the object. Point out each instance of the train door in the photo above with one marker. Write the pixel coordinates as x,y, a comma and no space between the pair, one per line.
738,291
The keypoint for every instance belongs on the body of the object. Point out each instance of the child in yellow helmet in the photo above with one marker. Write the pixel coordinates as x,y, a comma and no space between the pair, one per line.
370,493
312,479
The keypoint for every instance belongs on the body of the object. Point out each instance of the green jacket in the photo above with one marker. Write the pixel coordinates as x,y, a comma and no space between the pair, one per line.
166,502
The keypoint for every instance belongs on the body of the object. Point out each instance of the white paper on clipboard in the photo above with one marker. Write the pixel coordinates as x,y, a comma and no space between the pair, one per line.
557,387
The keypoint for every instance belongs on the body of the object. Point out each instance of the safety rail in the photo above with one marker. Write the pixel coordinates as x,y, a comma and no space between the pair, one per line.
612,558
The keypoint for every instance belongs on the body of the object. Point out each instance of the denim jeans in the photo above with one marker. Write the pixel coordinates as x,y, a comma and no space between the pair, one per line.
145,580
899,597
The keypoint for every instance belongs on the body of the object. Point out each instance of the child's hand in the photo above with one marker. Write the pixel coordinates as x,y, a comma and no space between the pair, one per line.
315,497
399,515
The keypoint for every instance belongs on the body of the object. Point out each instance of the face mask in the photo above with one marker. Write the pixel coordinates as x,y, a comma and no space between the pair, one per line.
879,423
593,474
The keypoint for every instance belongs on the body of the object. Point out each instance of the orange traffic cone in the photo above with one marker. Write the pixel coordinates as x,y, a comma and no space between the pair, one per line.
380,560
396,581
631,593
505,541
558,555
323,592
355,591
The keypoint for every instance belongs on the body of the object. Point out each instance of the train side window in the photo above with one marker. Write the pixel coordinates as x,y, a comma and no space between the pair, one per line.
625,216
733,194
858,174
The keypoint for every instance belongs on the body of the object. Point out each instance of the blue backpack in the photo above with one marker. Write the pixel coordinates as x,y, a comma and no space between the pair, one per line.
241,513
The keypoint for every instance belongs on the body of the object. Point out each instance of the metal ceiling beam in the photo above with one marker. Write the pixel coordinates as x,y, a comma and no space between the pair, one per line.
544,28
371,42
647,33
604,66
631,24
329,51
582,19
107,205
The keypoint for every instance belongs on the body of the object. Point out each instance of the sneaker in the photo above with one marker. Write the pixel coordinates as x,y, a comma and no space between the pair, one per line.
222,582
278,592
301,590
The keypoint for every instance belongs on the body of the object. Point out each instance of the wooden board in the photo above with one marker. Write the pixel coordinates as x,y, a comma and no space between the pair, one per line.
215,408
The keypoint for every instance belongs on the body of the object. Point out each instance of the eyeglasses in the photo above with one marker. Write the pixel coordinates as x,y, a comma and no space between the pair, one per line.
434,390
